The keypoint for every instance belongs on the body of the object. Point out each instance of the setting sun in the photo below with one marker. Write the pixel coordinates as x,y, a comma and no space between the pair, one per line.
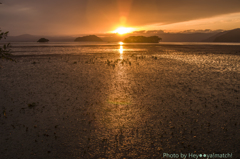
123,30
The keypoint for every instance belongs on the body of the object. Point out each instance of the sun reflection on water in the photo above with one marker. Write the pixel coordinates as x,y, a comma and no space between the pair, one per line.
121,50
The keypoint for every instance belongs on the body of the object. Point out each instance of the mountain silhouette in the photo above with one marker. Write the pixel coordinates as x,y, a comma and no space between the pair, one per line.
226,36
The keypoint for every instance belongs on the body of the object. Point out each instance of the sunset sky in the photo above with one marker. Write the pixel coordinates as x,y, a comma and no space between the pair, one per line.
72,17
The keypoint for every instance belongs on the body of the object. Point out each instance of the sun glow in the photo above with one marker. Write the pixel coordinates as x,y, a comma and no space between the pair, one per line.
123,30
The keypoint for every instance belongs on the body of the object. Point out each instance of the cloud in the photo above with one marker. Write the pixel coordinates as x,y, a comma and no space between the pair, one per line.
89,16
140,32
190,31
173,11
200,31
154,31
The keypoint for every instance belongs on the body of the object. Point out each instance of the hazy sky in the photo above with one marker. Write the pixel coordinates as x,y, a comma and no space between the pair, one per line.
70,17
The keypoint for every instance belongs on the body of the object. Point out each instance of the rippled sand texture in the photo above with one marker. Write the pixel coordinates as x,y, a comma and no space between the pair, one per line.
178,99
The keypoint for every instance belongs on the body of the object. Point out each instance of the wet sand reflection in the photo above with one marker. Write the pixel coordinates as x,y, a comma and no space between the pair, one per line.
118,110
119,117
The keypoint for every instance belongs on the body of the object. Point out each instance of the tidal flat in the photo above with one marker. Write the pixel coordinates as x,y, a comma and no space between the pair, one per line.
178,99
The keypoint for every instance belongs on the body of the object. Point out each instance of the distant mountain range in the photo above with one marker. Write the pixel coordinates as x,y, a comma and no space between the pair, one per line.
226,36
214,36
35,38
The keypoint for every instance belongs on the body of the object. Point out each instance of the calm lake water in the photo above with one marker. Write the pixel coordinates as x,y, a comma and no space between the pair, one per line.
220,56
34,48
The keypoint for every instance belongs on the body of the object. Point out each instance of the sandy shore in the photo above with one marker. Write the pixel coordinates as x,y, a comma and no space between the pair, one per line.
101,106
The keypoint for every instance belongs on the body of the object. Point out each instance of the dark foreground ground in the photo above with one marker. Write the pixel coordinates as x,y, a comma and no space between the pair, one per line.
121,106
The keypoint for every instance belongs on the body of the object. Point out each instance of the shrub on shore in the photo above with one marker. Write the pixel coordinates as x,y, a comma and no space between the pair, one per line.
4,50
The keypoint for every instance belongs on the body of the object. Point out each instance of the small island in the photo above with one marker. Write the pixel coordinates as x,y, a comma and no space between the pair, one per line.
142,39
89,38
43,40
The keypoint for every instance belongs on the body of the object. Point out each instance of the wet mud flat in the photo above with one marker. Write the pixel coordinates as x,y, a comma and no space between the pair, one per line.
134,105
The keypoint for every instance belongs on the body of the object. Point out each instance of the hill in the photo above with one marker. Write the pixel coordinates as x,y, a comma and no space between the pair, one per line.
34,38
226,36
230,36
212,38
